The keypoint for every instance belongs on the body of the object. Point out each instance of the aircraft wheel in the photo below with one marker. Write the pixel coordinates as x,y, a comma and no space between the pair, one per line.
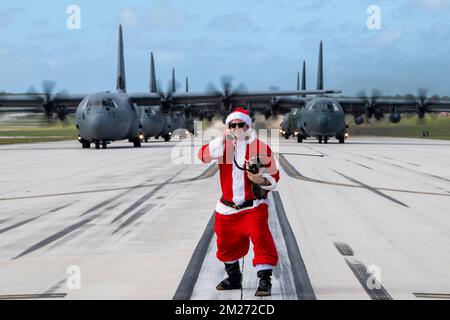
167,137
286,135
320,139
97,144
104,144
325,140
299,139
341,139
85,144
137,144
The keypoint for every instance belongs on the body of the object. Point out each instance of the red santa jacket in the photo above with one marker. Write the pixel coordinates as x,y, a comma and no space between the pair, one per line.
235,185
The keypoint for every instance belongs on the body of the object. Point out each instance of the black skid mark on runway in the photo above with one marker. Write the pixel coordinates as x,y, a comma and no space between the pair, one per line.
134,217
208,173
17,225
405,168
375,290
62,207
115,205
293,173
319,152
358,164
344,248
21,223
56,236
56,287
374,190
145,197
413,164
108,201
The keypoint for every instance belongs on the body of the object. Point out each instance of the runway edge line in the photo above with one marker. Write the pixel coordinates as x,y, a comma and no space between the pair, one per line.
302,283
190,276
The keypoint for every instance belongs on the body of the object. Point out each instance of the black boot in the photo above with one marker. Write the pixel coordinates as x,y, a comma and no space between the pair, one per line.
234,280
265,284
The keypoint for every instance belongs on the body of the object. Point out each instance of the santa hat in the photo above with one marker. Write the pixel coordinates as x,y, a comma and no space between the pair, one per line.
239,114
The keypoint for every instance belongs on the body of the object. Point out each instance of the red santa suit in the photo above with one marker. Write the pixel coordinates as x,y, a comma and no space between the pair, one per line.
235,226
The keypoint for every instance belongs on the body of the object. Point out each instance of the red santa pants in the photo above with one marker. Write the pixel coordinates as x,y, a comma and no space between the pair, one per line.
235,231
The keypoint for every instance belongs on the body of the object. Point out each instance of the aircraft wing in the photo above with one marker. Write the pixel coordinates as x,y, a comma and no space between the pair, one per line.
216,98
387,105
36,102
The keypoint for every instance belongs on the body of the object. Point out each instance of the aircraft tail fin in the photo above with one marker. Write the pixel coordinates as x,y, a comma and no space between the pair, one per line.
153,86
320,69
173,86
121,85
304,77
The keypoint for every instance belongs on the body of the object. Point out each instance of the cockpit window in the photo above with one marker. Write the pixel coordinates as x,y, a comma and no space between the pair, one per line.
108,103
324,107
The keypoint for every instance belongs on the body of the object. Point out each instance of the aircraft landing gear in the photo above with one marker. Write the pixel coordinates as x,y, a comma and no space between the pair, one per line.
97,144
286,135
299,138
104,144
167,137
320,139
325,140
341,139
85,144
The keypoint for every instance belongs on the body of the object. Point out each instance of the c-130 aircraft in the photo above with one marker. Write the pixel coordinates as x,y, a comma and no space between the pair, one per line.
105,117
323,117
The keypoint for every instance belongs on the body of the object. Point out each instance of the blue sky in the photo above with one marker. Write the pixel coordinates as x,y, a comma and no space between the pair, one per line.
259,42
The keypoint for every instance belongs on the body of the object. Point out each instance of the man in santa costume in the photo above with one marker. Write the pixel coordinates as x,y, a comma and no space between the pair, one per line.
240,216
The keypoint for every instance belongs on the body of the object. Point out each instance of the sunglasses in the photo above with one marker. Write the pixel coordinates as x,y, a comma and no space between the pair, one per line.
234,125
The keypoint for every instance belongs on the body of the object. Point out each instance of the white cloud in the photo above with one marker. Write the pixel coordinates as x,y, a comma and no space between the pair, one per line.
128,17
233,22
432,5
7,16
386,37
164,16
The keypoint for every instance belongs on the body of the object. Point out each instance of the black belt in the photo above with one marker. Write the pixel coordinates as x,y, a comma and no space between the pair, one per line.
246,204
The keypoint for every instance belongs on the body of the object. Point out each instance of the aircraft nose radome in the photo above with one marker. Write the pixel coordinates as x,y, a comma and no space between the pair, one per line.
98,125
323,122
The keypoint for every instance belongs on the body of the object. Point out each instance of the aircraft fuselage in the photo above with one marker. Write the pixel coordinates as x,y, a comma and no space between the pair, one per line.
105,117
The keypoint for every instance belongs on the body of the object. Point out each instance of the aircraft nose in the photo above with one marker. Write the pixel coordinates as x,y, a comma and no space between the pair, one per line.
323,122
98,124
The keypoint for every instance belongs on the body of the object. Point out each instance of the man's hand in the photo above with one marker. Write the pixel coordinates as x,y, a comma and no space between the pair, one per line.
228,134
256,178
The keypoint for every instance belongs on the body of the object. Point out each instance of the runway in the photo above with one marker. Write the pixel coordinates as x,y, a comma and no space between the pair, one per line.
368,219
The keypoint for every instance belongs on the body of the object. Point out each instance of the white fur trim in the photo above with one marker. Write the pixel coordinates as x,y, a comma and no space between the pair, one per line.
239,116
238,174
251,135
260,267
273,183
216,147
